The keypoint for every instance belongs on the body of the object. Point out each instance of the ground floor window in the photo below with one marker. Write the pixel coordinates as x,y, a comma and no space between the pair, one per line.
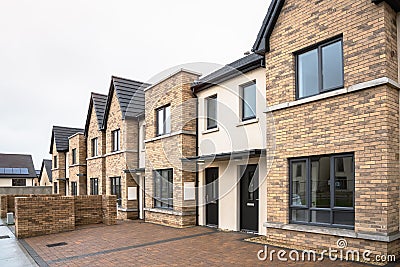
163,189
74,189
18,182
116,189
322,190
94,186
55,188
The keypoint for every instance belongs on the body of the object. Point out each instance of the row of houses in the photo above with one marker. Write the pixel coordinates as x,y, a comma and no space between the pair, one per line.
298,139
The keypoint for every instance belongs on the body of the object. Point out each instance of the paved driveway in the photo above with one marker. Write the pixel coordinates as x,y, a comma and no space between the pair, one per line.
135,243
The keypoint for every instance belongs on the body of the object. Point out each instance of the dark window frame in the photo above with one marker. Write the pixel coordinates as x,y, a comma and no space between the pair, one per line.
242,87
116,189
164,130
212,98
163,202
18,182
95,146
94,186
74,188
73,156
116,144
319,47
308,208
55,164
55,188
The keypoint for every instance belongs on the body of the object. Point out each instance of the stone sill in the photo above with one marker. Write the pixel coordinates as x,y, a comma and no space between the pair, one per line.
243,123
171,212
213,130
127,210
169,135
78,165
353,88
96,157
332,231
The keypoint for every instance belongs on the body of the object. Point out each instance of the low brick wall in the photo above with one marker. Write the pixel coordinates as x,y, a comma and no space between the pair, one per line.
8,202
35,216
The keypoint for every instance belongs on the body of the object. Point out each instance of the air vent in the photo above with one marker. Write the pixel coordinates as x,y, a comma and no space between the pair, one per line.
56,244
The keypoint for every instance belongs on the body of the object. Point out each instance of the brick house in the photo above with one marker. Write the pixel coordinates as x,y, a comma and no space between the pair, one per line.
45,176
16,170
123,116
231,137
170,136
77,164
59,149
332,88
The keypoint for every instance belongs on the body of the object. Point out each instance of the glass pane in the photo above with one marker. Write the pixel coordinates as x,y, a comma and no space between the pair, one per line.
8,170
308,73
343,217
168,119
160,121
299,183
318,216
16,171
1,170
332,66
249,101
344,182
24,171
211,112
320,180
300,215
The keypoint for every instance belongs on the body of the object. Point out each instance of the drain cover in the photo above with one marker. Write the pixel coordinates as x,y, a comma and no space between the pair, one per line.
56,244
4,236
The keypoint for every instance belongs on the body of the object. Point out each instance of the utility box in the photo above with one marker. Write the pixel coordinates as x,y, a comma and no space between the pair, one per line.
10,218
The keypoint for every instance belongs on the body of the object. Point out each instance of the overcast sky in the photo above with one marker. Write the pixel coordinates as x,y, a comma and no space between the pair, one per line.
54,53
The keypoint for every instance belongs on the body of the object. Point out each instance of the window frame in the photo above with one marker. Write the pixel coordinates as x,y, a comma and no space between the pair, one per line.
74,188
318,47
55,164
116,189
94,186
116,134
214,98
243,102
55,188
308,208
18,180
95,146
164,130
159,202
73,156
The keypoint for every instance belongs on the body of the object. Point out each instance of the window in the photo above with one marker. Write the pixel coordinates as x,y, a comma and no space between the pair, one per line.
14,171
163,187
18,182
116,189
115,140
74,189
55,188
322,190
95,151
143,137
74,156
248,101
163,120
94,186
211,105
320,69
55,162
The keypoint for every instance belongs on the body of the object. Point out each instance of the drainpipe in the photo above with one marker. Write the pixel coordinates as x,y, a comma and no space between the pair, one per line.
196,185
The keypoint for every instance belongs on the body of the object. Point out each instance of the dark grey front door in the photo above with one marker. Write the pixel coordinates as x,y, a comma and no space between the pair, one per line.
212,196
249,199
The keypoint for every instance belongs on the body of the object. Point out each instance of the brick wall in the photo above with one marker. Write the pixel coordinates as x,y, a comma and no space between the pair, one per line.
35,216
77,142
8,201
3,206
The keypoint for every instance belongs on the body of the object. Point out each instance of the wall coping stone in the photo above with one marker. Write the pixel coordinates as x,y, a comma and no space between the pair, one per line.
171,212
351,89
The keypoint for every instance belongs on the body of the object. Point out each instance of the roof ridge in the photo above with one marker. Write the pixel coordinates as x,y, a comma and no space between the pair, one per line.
126,79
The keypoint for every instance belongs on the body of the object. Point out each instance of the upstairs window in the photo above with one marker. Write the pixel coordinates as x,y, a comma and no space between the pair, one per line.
163,120
18,182
74,156
115,140
320,69
55,162
211,105
248,101
95,151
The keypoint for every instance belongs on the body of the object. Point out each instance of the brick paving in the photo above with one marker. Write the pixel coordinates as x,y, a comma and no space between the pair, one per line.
134,243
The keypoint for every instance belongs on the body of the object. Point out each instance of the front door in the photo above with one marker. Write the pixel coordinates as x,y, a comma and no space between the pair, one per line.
212,196
249,199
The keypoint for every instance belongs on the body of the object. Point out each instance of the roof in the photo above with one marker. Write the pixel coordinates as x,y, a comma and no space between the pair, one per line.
17,162
97,103
60,136
130,95
262,46
46,163
229,71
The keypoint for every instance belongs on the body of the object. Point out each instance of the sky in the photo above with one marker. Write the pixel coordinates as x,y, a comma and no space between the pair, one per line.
54,53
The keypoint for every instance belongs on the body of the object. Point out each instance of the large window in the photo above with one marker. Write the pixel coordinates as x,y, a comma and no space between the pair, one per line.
320,69
74,188
163,120
115,140
163,187
74,156
211,105
94,186
55,162
18,182
248,101
116,189
322,190
95,150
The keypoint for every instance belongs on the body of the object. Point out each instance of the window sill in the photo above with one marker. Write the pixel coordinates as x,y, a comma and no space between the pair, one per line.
332,231
95,157
213,130
170,135
170,211
247,122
